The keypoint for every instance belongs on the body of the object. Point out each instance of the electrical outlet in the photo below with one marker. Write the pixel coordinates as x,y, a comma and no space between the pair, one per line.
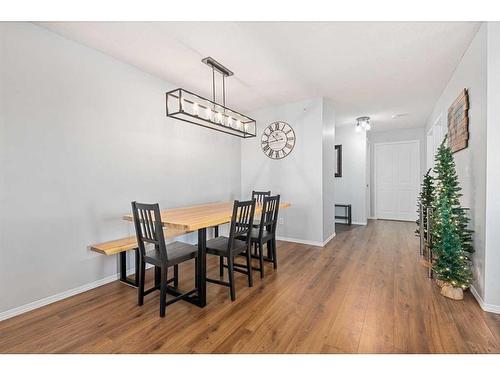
281,220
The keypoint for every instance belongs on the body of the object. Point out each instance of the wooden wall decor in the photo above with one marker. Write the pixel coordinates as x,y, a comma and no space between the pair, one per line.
458,122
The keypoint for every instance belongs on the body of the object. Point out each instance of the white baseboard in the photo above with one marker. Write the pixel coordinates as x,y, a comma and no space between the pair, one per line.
354,222
329,239
306,242
298,240
60,296
485,306
57,297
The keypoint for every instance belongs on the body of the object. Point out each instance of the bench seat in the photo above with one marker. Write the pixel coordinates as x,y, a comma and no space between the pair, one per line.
128,243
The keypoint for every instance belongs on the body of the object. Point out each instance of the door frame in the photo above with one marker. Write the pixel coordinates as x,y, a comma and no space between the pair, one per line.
375,185
368,182
431,138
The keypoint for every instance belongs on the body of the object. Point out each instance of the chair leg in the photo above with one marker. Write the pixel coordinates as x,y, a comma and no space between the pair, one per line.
255,248
249,267
163,291
157,277
176,276
221,266
273,251
261,259
141,272
230,271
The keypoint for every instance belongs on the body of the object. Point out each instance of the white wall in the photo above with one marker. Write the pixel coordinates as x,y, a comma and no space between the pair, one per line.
298,177
492,256
351,187
328,169
471,162
396,135
83,136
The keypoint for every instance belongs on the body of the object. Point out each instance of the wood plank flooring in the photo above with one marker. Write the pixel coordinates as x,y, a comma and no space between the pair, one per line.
365,292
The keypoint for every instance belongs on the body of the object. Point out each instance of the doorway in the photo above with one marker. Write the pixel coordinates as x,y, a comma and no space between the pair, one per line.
397,171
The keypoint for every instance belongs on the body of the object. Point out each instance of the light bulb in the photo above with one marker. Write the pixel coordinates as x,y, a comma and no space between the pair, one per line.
218,117
368,126
209,114
195,109
238,124
230,121
358,129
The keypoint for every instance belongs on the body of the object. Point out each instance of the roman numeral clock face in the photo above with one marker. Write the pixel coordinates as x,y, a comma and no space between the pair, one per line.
278,140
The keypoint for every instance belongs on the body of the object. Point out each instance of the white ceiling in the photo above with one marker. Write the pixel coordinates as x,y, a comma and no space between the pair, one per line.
377,69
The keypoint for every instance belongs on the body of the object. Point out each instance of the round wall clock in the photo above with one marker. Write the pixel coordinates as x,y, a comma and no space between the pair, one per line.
277,140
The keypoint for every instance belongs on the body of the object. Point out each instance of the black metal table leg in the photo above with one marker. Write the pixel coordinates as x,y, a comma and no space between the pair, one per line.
123,269
123,266
202,267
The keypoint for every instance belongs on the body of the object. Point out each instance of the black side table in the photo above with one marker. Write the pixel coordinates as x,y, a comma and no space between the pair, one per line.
348,213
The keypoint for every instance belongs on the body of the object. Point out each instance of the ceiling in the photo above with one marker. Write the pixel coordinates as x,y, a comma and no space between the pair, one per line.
379,69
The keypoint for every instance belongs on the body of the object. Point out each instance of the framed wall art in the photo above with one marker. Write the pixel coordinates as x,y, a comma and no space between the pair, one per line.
338,160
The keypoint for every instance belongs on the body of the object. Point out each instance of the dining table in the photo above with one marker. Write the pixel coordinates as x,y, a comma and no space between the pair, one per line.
199,218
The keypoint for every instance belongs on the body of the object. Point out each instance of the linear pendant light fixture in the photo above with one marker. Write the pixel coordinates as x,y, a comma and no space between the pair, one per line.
186,106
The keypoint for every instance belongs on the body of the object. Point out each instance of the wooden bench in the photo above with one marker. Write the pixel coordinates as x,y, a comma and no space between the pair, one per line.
122,245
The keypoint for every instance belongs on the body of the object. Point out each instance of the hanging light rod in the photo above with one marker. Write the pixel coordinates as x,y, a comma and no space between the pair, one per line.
211,62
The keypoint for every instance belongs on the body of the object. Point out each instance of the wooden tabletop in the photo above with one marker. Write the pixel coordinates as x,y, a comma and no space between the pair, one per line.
200,216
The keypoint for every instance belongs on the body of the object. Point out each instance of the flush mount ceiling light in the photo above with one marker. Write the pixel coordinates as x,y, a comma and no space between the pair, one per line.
187,106
363,123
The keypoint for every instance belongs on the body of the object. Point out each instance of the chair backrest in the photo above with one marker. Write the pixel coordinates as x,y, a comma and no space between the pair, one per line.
242,220
269,215
259,195
148,228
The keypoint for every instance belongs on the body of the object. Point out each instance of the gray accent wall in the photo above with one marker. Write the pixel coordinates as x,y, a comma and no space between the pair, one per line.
351,187
328,169
82,135
299,176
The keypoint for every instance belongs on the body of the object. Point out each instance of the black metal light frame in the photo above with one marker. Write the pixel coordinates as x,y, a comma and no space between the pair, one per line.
244,126
181,114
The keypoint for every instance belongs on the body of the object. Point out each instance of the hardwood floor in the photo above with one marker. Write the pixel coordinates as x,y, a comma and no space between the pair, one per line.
365,292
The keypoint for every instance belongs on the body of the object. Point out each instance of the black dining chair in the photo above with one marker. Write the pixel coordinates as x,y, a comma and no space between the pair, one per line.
229,247
266,233
153,250
259,195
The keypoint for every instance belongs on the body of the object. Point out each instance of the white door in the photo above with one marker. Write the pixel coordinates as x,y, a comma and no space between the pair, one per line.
397,174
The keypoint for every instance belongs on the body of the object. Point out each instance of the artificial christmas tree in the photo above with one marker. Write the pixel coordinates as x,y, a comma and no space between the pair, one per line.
451,238
425,199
